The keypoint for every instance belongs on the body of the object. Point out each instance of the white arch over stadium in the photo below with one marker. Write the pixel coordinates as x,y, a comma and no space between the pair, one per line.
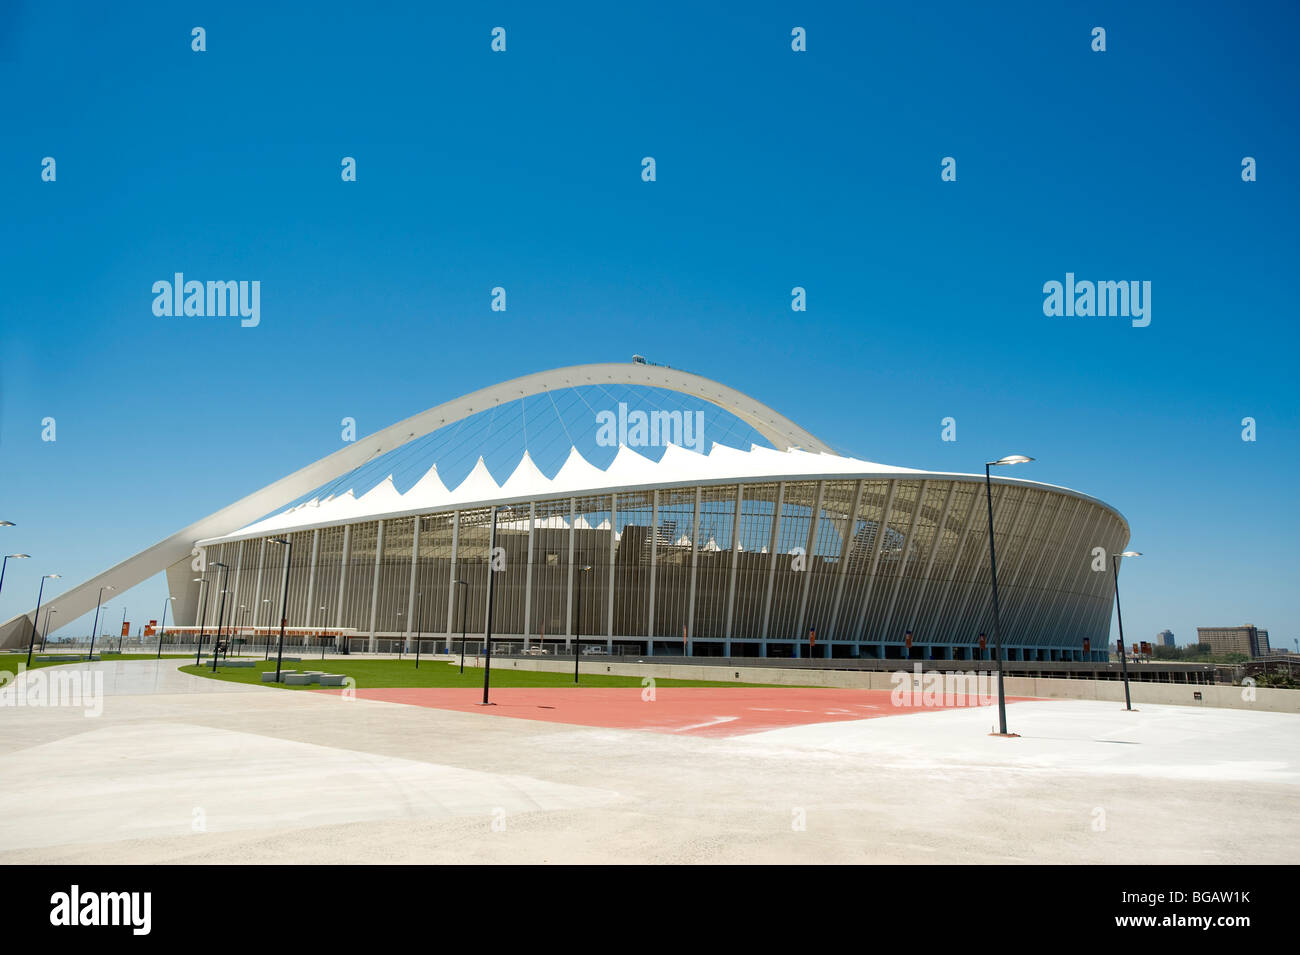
173,554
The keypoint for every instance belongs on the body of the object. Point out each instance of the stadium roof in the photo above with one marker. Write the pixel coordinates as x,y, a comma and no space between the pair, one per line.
628,470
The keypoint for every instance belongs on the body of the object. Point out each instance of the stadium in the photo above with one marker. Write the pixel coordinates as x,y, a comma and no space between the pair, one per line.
642,510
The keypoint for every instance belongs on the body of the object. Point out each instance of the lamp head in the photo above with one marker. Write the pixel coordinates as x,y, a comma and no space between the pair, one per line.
18,556
1011,459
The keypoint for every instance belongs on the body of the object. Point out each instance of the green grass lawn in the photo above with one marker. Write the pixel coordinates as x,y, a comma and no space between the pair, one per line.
434,672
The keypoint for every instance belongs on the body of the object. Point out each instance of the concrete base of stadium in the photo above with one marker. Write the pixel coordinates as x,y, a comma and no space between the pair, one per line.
182,769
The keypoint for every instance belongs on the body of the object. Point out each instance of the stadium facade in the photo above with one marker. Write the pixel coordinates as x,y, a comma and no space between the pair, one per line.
781,551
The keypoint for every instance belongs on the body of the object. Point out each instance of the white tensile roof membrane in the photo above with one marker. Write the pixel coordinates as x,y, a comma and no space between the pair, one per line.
628,470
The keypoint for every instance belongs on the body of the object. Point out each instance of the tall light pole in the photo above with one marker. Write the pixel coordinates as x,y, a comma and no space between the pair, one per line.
993,566
419,624
121,631
98,600
203,605
1123,653
39,594
221,615
162,624
46,632
284,605
5,563
577,623
487,633
462,583
6,560
322,639
265,601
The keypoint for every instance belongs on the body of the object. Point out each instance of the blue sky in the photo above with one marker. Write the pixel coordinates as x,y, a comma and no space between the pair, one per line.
775,169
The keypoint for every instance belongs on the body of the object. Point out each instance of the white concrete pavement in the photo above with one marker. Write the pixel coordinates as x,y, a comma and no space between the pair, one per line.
183,769
1074,736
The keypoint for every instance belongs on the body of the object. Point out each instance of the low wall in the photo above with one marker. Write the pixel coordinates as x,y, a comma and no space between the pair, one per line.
1178,694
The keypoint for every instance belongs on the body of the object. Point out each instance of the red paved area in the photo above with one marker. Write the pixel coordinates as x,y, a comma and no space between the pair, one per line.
699,711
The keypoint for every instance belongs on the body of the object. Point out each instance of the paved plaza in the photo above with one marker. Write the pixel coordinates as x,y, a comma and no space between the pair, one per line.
180,768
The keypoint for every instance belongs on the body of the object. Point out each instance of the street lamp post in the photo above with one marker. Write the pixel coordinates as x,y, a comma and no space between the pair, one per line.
95,626
993,567
1123,655
487,634
5,563
577,623
265,600
162,624
203,605
419,625
284,605
221,614
462,583
265,610
39,594
121,631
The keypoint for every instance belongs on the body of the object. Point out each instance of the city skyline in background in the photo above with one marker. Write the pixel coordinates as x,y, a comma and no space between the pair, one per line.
522,170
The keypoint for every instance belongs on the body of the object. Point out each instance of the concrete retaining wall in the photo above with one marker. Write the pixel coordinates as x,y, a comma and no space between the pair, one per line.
1179,694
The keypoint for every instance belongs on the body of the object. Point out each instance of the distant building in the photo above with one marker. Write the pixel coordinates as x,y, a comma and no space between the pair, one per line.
1165,638
1247,639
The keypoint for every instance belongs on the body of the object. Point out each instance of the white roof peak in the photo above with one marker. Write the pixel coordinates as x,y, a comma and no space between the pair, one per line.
526,480
429,491
383,489
578,474
479,484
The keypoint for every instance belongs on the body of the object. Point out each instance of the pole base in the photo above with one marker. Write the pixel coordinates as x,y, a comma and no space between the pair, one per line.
1131,709
1006,735
487,704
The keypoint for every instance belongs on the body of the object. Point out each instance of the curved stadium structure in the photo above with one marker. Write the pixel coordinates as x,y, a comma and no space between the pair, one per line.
733,552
